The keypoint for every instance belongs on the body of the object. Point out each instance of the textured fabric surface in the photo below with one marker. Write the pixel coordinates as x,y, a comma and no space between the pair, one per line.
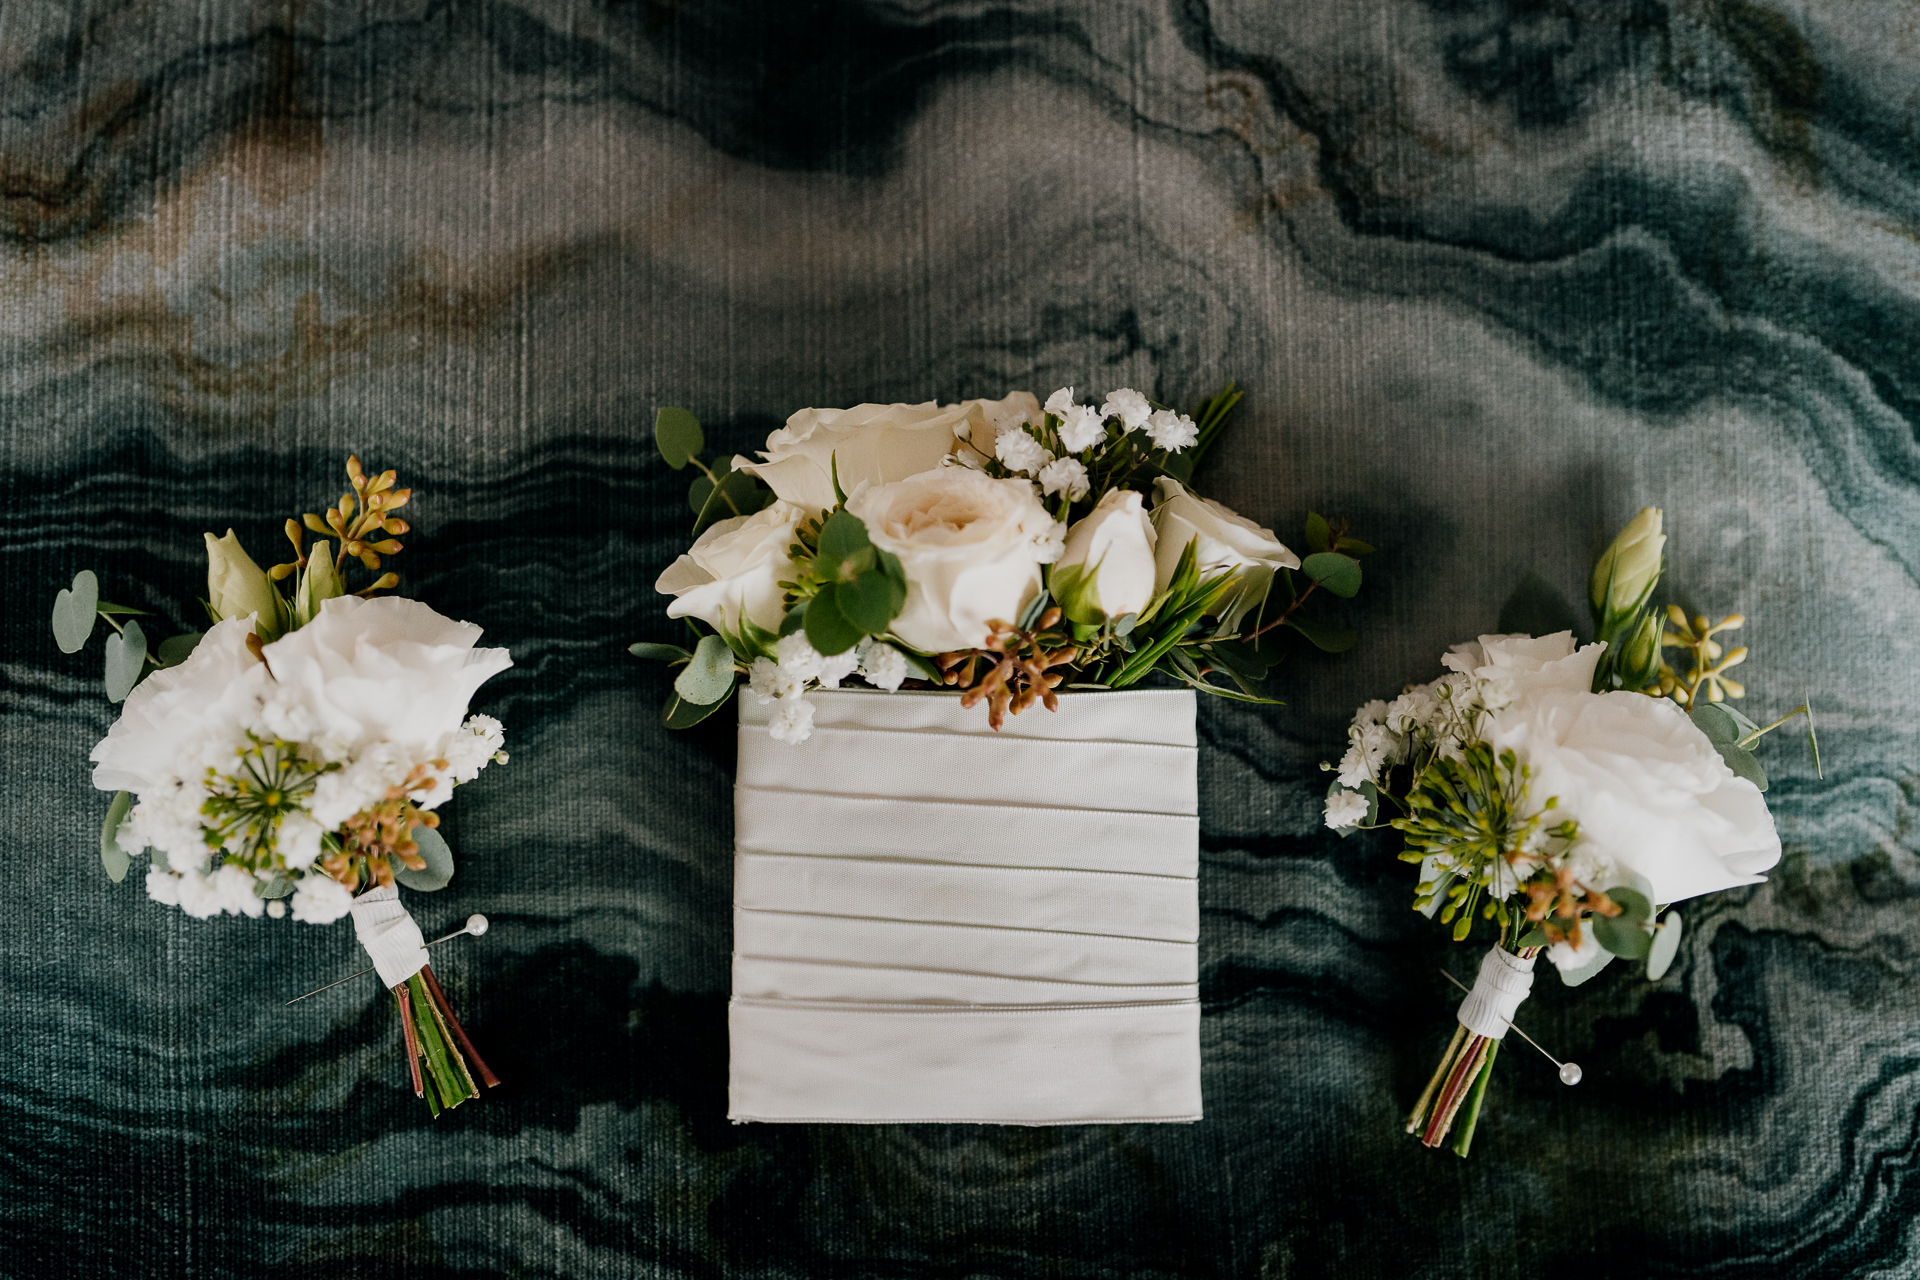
1495,275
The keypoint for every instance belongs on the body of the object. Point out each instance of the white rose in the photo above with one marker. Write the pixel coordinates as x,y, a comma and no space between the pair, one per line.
735,568
869,443
1515,667
1651,795
386,671
181,719
1227,541
1115,540
971,547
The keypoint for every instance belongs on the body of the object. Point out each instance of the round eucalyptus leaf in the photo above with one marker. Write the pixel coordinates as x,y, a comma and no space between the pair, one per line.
1337,573
867,601
126,656
677,434
1622,935
74,611
708,678
175,650
828,629
1574,977
439,860
112,856
1666,945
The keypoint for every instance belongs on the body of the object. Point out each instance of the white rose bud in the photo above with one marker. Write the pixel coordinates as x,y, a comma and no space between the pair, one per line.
971,547
237,587
1115,542
734,570
1627,570
1227,541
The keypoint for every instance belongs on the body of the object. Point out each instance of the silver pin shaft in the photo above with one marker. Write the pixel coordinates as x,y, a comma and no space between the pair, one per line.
475,925
1569,1071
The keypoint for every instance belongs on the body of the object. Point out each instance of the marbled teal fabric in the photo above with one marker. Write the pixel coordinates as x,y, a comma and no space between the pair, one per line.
1495,272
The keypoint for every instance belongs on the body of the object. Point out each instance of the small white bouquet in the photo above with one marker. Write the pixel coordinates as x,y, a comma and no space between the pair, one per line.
291,760
1002,549
1562,795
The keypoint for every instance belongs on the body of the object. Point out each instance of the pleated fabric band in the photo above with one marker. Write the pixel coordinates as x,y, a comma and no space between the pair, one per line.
934,922
1504,982
389,935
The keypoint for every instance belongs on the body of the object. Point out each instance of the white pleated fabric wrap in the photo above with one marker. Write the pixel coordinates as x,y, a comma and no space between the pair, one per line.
935,922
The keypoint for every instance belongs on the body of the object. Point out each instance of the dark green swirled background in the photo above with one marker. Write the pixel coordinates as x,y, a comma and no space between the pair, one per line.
1496,273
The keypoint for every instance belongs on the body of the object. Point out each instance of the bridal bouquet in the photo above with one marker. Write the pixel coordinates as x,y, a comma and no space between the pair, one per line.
291,759
1558,796
999,548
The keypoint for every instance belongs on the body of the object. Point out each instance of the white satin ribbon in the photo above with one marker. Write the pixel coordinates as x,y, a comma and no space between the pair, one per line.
1505,980
934,922
389,935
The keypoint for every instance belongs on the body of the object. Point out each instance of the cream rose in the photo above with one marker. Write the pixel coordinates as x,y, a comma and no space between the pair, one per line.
734,569
1115,541
869,444
971,546
388,671
1227,541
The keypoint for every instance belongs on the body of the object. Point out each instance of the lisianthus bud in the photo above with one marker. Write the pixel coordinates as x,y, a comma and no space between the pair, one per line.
1640,653
236,586
319,584
1626,572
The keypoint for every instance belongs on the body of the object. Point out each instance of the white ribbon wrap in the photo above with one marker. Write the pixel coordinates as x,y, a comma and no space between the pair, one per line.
389,935
1504,981
937,922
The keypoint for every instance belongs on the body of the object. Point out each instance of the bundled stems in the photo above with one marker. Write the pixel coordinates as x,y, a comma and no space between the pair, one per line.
1459,1084
434,1036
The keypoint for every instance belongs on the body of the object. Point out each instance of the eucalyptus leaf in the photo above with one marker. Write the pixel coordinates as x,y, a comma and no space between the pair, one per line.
1537,608
281,886
126,656
121,610
1325,639
843,536
1626,934
74,611
793,620
1179,466
867,602
1319,535
1716,722
175,650
658,652
1722,725
112,856
828,629
681,714
735,495
1338,573
708,678
438,857
1587,971
1666,945
698,494
1744,764
677,434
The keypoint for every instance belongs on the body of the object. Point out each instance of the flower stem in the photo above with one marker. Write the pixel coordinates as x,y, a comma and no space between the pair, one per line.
1463,1142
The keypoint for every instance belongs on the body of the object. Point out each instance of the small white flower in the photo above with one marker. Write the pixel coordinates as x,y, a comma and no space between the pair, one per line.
837,668
1049,542
233,884
277,909
1064,475
798,657
1021,452
320,899
1129,406
1081,428
1060,401
162,885
1411,710
1346,809
792,720
1171,431
882,665
299,840
1374,712
1353,767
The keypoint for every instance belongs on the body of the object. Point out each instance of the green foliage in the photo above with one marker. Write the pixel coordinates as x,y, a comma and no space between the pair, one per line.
1325,639
438,872
175,650
126,661
1665,946
1338,573
677,434
682,714
74,611
112,856
1537,608
1727,729
708,676
1625,935
659,652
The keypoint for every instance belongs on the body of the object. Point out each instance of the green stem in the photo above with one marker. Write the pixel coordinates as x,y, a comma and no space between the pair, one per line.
1463,1135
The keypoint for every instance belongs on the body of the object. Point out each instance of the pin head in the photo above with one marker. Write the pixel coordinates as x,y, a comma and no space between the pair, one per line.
476,924
1569,1073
